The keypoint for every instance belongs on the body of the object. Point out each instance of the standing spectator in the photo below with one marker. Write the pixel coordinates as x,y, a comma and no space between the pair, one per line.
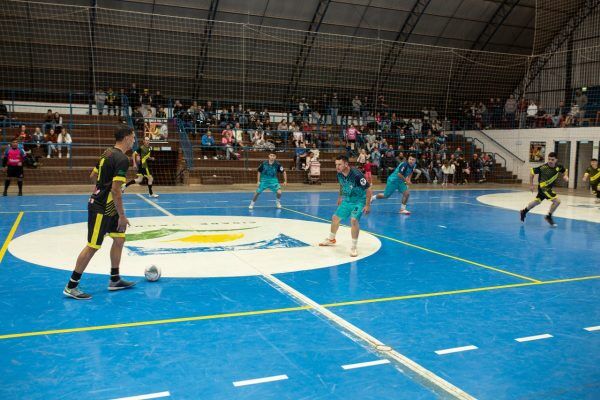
48,121
462,170
146,101
111,99
133,96
100,99
510,110
51,140
436,166
334,107
522,108
64,140
365,110
581,100
120,101
325,107
316,111
572,117
158,100
356,106
532,110
448,170
351,137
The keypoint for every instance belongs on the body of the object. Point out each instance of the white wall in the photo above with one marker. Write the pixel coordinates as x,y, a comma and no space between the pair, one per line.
518,140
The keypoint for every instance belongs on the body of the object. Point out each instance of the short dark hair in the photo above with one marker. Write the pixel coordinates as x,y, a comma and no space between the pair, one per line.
553,155
122,134
594,159
342,157
412,155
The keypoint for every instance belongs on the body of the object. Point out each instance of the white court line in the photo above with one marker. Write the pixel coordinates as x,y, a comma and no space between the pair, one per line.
221,201
365,364
28,205
455,350
63,204
260,380
128,203
531,338
195,201
163,202
443,226
592,328
153,204
424,376
146,396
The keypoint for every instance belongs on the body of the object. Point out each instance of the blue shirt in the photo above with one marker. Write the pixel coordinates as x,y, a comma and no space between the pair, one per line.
404,168
354,186
269,171
208,140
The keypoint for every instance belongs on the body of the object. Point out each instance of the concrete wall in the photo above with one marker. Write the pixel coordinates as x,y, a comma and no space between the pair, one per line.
518,141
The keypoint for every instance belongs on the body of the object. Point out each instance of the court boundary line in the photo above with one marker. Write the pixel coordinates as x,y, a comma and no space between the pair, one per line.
422,375
439,253
289,309
10,235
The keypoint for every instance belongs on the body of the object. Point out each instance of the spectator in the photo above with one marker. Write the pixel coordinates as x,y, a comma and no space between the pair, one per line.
161,113
476,168
120,100
138,119
351,137
297,135
581,100
51,140
388,165
48,121
510,110
58,123
316,111
133,97
448,169
208,145
210,112
560,113
3,111
334,106
228,142
488,165
64,140
436,166
258,139
146,101
362,158
356,110
158,100
178,109
300,155
365,110
462,170
38,139
522,109
323,138
572,117
532,110
238,135
100,99
325,107
111,98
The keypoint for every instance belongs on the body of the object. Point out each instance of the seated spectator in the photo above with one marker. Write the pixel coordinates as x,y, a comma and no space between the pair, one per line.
208,145
161,113
48,121
58,123
51,140
238,135
388,165
100,98
38,140
488,165
158,101
323,138
476,169
297,135
307,131
178,109
560,114
362,159
64,140
138,119
300,155
227,141
572,117
111,99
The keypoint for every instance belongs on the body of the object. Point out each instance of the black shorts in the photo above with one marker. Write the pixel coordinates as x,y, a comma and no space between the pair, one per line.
144,171
594,185
13,171
99,225
545,193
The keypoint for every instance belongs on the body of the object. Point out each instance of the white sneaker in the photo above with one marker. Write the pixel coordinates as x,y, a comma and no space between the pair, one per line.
373,198
154,195
327,242
205,157
48,156
251,207
353,252
278,205
59,155
405,212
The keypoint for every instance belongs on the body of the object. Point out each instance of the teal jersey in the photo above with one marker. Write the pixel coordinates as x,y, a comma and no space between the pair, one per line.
403,168
354,186
268,172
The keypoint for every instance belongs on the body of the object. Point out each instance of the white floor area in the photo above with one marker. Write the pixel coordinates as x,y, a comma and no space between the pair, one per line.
582,208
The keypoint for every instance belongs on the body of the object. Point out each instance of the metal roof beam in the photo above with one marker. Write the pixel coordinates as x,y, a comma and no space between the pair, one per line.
201,64
494,23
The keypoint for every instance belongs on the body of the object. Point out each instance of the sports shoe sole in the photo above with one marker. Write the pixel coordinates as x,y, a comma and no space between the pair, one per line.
75,297
114,288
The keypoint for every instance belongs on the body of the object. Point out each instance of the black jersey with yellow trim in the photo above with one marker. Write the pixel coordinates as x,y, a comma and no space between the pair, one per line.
547,174
112,166
594,173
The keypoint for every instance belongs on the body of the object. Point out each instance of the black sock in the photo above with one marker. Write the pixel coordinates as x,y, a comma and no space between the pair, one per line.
131,182
150,190
74,281
20,184
114,275
6,184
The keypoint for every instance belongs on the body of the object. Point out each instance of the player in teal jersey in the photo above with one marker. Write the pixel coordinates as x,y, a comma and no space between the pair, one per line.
353,200
267,177
399,180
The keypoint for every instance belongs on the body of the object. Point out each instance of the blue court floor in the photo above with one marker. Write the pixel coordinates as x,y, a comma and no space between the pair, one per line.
250,307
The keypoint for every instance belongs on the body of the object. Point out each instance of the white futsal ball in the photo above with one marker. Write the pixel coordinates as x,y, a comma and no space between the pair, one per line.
152,273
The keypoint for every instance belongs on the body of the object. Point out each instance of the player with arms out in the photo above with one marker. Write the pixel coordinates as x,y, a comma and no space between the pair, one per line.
106,215
593,174
140,161
399,180
354,199
267,178
548,173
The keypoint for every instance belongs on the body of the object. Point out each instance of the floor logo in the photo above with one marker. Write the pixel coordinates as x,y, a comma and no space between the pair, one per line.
200,246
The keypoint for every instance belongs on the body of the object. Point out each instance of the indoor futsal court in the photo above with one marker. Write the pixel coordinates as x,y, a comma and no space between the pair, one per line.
300,200
249,307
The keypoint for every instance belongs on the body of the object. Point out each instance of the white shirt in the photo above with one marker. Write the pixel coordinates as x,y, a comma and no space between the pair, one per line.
532,110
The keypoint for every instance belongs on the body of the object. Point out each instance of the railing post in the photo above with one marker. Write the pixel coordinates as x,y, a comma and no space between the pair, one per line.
70,111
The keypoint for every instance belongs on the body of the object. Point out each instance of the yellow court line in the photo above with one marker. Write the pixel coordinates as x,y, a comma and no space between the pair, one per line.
439,253
284,310
10,235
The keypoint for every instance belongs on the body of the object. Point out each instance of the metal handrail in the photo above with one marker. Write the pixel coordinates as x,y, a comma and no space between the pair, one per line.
501,146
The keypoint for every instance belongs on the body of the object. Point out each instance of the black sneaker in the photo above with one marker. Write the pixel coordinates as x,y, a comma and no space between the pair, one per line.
120,284
549,219
4,194
20,194
76,294
523,214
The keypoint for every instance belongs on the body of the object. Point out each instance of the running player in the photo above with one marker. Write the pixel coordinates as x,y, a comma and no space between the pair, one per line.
593,174
106,215
140,161
399,180
548,173
267,179
13,160
353,200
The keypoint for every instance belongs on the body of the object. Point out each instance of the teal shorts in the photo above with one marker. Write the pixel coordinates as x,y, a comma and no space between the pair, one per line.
393,185
272,185
350,209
